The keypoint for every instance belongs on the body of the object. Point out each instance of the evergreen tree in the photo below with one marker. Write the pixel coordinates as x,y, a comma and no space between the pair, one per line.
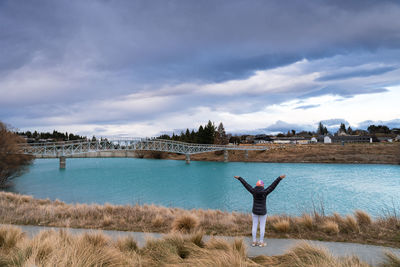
321,129
349,130
200,135
209,133
220,136
342,128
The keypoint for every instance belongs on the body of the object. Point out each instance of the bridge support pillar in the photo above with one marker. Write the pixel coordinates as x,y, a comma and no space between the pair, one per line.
187,158
63,162
246,155
226,156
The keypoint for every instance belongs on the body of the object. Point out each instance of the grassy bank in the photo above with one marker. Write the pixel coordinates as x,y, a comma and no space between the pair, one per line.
357,227
377,153
60,248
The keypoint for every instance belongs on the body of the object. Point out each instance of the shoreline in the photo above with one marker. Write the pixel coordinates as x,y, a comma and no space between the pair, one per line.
379,153
358,227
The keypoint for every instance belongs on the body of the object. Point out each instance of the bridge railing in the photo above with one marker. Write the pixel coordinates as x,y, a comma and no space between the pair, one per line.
85,146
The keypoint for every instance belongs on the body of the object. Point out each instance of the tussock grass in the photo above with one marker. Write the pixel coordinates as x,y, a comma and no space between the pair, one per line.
281,226
9,237
185,223
391,260
361,228
330,227
62,249
363,218
350,225
306,221
306,255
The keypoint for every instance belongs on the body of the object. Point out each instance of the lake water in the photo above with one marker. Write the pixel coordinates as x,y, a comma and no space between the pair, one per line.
210,185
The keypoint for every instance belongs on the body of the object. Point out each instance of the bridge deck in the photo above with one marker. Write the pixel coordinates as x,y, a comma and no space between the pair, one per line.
69,149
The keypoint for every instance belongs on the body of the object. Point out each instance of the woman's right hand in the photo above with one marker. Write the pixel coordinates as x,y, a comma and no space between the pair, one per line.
236,177
282,176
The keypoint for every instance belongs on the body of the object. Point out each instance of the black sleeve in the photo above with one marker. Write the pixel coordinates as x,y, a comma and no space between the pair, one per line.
271,188
246,185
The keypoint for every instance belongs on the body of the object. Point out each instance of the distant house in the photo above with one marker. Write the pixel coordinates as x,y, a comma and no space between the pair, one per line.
327,139
352,139
249,139
397,138
385,139
290,140
314,140
262,139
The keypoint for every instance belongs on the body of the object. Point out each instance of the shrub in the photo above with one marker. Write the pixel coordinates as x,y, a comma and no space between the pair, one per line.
12,161
185,224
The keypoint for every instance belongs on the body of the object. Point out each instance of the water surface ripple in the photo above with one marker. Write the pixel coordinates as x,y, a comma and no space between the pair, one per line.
210,185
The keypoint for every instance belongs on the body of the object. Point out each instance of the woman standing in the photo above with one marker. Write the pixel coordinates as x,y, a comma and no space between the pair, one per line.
259,206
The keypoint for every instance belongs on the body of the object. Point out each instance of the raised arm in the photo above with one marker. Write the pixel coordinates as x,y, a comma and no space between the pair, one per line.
271,188
245,184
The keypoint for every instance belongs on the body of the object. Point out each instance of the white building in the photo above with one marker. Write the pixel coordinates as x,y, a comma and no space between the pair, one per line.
327,140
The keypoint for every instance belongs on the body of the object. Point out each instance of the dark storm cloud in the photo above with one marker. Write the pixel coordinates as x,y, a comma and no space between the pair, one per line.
62,59
182,40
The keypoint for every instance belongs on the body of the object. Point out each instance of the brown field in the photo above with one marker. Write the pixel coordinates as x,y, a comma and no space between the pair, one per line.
376,153
60,248
358,227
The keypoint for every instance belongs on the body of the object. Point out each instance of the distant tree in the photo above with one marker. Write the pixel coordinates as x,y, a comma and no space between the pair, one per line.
372,129
349,130
220,136
322,130
200,138
234,140
209,133
293,132
12,161
342,128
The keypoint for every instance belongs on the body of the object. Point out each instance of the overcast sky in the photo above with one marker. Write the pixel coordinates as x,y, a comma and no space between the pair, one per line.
138,68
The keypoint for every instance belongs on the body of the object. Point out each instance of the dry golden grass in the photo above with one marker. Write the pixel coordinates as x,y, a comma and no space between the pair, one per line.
363,218
185,224
306,221
25,210
62,249
350,225
282,226
391,260
330,227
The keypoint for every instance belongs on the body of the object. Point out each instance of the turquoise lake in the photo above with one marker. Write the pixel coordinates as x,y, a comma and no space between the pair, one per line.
341,188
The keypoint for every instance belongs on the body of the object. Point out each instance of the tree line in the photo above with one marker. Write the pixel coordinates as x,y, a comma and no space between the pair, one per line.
55,135
207,134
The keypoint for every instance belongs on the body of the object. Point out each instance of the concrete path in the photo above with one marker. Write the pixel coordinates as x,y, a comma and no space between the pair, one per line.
367,253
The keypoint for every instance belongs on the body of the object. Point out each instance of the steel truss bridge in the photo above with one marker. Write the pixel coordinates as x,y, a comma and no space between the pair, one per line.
63,150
